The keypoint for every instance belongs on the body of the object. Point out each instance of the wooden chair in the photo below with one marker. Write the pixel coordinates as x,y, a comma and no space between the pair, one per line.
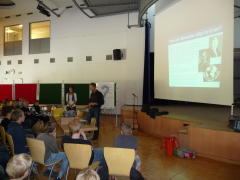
119,161
79,156
3,135
37,150
10,143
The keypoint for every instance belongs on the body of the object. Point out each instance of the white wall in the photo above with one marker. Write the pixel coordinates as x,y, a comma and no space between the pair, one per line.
75,35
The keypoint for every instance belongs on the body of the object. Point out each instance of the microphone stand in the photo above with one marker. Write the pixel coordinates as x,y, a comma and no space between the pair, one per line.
134,110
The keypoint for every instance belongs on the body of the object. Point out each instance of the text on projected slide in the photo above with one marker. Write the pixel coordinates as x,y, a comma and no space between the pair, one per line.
195,59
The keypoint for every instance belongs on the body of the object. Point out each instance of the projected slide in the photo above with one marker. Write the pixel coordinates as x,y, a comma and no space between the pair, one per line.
195,59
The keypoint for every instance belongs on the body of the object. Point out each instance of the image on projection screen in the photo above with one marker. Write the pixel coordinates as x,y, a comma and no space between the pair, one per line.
195,59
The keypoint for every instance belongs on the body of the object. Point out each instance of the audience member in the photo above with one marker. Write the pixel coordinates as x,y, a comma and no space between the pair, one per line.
30,119
18,167
79,137
88,175
16,130
36,108
20,102
37,113
15,104
52,152
5,102
127,140
6,112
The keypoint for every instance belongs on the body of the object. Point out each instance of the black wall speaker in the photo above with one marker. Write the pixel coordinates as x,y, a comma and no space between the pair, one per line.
117,54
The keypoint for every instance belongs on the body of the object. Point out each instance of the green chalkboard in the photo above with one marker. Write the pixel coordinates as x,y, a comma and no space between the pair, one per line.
50,94
82,91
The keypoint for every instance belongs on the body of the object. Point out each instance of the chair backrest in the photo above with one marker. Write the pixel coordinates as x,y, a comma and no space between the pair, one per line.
10,143
37,150
93,121
78,155
119,160
3,135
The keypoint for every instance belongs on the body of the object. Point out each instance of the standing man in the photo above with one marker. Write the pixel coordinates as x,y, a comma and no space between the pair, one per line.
95,102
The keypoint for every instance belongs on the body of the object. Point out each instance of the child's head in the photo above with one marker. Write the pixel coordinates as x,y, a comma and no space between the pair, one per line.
50,128
88,175
18,166
126,129
74,126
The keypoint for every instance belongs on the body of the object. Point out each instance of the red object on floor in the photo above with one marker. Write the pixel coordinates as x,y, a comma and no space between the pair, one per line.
26,91
170,143
5,92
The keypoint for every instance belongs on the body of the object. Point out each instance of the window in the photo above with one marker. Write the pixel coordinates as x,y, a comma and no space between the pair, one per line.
39,37
13,40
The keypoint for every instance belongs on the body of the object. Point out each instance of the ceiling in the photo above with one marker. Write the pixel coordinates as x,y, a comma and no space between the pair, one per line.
106,7
97,7
26,6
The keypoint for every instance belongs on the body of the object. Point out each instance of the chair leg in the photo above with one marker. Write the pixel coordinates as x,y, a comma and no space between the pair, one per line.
29,175
49,177
75,173
66,177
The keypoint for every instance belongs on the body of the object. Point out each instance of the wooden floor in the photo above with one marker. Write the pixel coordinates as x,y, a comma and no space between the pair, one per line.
157,166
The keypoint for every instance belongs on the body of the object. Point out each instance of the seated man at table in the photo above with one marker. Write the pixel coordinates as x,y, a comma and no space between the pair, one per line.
79,137
52,153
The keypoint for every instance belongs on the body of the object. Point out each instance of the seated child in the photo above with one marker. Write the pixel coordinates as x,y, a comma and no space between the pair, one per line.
79,137
18,167
52,152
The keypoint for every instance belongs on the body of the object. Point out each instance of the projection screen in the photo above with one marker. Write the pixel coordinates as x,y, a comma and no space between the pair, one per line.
194,52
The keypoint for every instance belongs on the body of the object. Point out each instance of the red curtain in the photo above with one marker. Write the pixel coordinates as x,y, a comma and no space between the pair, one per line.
26,91
5,92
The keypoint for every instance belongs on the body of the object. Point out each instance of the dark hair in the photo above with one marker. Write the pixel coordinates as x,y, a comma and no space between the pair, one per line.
16,114
5,101
93,84
70,87
6,110
49,127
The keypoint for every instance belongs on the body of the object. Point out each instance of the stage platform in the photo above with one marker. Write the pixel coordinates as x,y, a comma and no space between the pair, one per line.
207,130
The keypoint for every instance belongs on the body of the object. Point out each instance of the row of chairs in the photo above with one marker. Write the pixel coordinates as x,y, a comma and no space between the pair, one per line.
119,160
